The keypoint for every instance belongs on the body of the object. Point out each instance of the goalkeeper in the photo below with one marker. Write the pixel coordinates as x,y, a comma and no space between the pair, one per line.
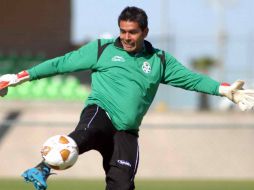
126,73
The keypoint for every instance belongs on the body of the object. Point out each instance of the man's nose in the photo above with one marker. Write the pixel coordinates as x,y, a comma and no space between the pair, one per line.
127,36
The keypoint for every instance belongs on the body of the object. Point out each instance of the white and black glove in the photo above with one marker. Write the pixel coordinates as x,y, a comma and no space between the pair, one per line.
12,80
244,98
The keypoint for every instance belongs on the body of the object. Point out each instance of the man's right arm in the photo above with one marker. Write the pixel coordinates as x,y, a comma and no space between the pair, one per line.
82,59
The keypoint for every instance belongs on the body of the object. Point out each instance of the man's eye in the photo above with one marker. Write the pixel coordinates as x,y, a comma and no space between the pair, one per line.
133,32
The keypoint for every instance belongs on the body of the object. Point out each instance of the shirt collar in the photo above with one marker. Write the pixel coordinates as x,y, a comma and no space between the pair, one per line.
147,46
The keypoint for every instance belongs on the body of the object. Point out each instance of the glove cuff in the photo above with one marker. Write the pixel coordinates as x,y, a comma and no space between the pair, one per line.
23,75
224,89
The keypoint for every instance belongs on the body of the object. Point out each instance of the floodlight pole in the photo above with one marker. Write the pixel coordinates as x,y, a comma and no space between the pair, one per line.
164,22
222,35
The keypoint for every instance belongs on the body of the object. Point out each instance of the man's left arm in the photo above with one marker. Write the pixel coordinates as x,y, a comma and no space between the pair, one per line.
179,76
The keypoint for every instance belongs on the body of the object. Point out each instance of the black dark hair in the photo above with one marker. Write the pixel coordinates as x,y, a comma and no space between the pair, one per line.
134,14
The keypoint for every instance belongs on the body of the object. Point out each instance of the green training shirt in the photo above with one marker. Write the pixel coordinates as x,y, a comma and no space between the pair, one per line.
125,84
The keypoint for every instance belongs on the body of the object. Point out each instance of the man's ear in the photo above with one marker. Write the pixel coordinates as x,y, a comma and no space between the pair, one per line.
145,32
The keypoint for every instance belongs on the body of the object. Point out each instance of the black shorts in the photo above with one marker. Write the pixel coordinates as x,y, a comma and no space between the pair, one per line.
119,149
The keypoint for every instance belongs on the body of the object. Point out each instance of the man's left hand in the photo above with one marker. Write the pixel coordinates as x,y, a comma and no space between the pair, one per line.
235,92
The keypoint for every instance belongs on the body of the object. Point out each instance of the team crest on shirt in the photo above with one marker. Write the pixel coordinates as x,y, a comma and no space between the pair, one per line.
146,67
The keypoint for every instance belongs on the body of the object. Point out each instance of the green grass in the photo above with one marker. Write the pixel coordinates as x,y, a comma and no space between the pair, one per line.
68,184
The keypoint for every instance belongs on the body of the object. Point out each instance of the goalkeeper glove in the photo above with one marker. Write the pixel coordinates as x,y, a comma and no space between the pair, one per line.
244,98
12,80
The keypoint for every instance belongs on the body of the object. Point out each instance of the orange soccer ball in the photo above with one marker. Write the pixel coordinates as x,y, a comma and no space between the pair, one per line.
60,152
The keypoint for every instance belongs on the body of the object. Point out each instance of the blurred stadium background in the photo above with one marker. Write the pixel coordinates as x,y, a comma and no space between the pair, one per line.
185,135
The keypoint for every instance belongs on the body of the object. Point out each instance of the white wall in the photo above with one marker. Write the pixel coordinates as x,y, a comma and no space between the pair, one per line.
172,145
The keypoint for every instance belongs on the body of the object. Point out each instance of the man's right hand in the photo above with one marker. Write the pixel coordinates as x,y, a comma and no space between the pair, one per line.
12,80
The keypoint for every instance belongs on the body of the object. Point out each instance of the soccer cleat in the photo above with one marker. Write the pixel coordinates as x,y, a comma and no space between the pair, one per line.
38,176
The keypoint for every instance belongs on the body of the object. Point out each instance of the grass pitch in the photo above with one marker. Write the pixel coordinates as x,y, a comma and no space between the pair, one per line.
67,184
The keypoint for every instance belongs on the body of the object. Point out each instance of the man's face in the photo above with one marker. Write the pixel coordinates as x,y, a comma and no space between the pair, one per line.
131,36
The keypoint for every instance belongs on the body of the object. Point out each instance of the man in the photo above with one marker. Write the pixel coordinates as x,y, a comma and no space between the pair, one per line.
126,74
